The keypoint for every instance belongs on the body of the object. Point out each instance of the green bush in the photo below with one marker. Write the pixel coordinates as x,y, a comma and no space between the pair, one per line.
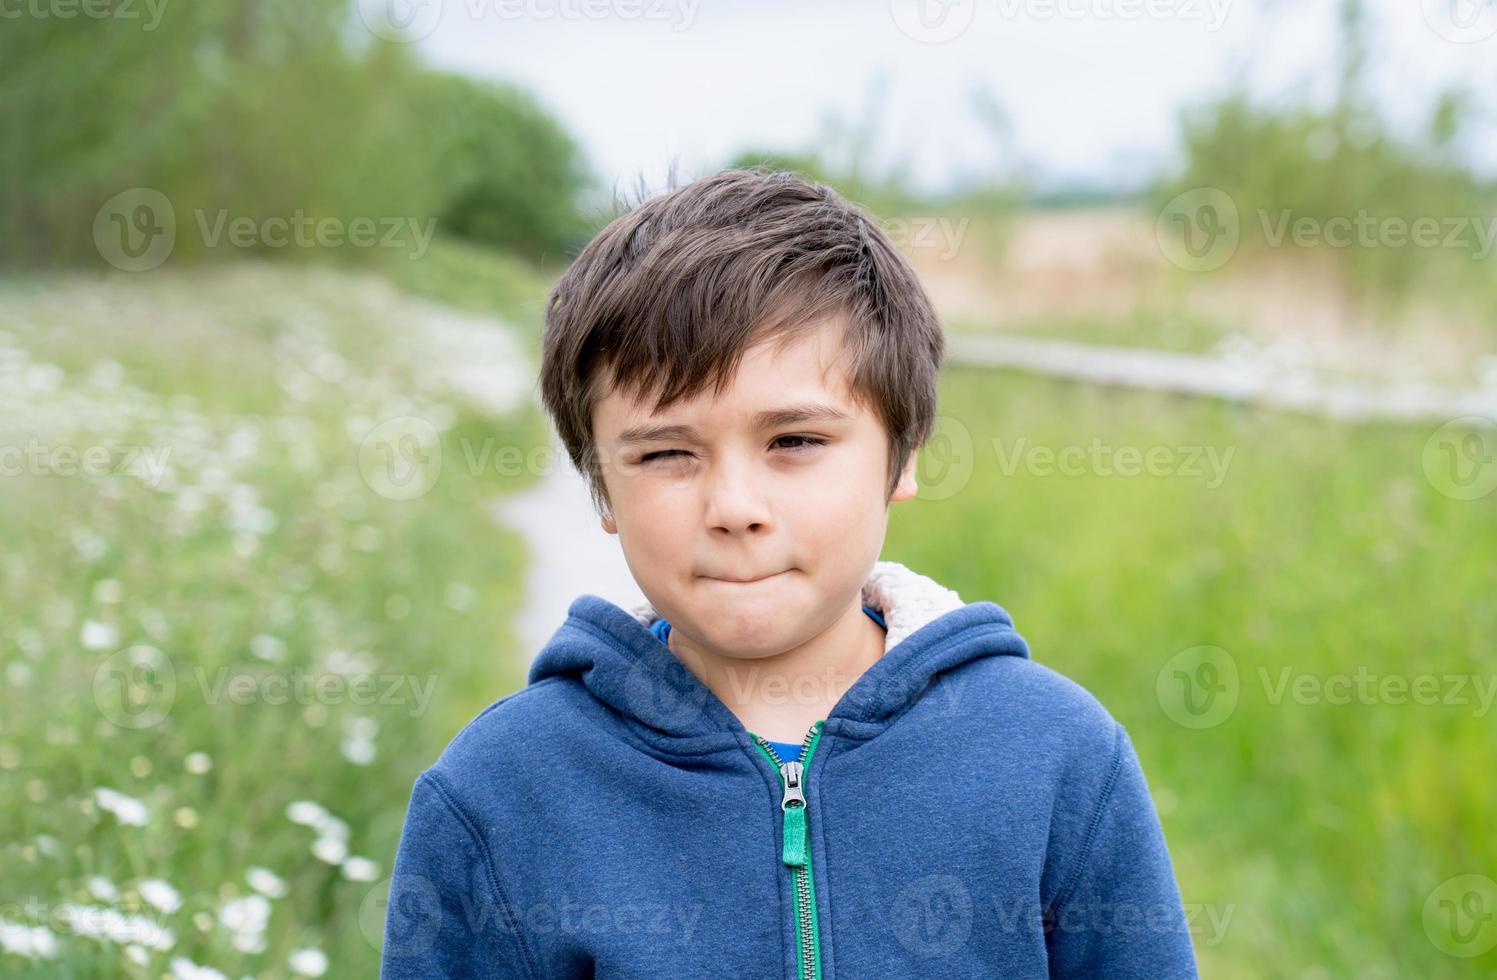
274,110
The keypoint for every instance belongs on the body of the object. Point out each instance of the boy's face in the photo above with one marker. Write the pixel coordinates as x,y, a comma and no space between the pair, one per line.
797,504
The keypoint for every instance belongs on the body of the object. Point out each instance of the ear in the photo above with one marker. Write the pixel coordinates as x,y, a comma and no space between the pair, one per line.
608,523
907,486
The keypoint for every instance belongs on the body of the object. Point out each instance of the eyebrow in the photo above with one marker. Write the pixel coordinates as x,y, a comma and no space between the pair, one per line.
769,419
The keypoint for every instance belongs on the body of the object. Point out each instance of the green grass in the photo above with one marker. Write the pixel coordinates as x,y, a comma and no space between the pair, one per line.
267,557
1321,828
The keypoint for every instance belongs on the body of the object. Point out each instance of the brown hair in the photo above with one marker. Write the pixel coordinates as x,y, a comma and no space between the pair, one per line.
667,297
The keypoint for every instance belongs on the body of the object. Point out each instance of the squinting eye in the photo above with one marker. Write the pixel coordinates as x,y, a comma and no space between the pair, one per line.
662,454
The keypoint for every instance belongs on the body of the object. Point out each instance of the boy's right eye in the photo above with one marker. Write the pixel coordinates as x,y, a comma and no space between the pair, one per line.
662,454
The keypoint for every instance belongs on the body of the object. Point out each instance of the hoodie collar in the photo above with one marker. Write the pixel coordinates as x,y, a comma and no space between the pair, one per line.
613,653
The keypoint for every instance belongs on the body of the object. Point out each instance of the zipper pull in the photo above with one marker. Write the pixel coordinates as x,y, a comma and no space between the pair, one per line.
793,804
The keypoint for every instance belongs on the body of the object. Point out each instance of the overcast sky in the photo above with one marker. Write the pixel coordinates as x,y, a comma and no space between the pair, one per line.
1092,88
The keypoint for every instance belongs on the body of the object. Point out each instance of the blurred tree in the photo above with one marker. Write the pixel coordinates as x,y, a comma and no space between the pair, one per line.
264,109
1343,162
511,175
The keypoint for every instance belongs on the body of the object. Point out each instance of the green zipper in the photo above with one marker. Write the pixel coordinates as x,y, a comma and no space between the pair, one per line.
796,853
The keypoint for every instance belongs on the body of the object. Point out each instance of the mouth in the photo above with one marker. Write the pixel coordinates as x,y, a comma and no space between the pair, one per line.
746,581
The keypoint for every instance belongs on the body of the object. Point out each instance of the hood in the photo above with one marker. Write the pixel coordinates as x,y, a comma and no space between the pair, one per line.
930,629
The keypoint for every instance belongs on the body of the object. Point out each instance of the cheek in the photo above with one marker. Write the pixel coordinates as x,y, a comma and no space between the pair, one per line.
837,511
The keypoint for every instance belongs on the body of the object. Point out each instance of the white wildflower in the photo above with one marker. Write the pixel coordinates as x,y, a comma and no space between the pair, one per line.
305,812
126,809
185,969
308,962
266,882
103,889
97,636
246,919
360,869
329,849
160,894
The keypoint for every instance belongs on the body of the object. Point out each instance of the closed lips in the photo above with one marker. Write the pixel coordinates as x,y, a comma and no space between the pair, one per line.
744,581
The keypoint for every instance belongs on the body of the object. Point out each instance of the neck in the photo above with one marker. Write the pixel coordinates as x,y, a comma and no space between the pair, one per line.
781,696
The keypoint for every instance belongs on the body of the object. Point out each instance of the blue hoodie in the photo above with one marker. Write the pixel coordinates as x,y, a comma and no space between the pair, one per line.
962,811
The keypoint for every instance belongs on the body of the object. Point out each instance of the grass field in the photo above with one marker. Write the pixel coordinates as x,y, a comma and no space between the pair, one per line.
228,644
165,782
1316,831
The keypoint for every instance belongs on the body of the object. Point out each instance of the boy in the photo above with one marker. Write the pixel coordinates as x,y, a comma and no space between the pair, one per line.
793,760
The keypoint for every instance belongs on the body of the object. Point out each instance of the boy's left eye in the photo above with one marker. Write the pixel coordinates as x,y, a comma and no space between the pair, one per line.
804,442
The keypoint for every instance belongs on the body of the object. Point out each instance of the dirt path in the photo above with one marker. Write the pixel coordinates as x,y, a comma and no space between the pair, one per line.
570,553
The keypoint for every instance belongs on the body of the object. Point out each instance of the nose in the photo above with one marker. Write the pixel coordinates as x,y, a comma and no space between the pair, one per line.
736,502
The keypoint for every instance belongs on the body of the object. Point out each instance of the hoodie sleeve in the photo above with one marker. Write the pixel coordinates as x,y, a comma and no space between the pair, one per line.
447,916
1119,914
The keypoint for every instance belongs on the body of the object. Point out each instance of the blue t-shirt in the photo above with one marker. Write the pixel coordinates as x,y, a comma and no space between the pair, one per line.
787,751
